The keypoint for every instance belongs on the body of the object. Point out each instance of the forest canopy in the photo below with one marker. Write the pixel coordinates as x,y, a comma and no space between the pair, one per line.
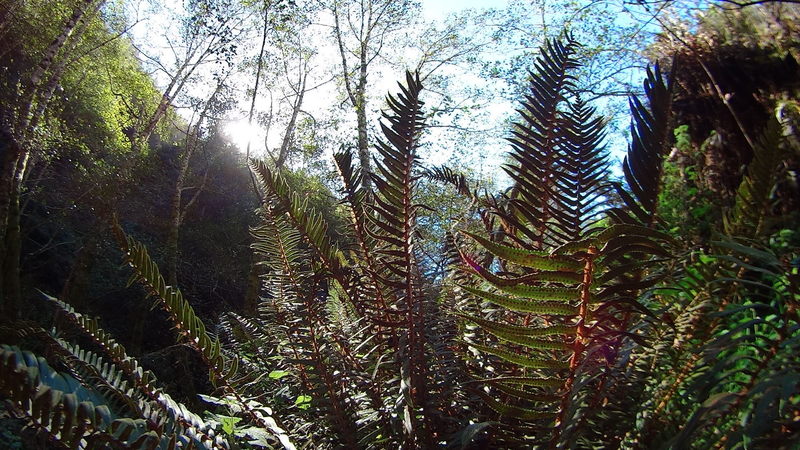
383,224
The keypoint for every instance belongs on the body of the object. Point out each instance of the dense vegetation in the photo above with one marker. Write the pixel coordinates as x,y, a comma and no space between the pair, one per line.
273,303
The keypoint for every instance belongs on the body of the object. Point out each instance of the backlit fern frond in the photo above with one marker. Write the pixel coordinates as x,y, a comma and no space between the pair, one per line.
158,407
650,143
310,224
459,181
393,222
563,295
190,328
543,208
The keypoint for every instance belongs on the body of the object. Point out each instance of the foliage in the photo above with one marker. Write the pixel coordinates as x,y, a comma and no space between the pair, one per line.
573,313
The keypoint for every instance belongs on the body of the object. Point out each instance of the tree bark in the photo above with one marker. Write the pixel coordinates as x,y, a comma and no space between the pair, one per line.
361,116
177,209
15,158
358,98
55,46
287,136
50,53
57,72
174,230
11,287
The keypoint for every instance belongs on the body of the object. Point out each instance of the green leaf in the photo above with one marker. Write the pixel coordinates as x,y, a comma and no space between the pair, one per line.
515,411
503,328
229,424
303,401
527,258
524,305
522,360
278,374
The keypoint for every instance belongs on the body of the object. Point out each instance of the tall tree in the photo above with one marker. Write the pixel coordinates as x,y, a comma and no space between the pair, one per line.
361,29
208,34
19,120
180,204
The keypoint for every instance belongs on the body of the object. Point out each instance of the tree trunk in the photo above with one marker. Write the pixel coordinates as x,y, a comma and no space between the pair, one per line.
12,291
176,217
58,68
364,156
10,151
15,158
175,86
76,287
52,50
358,98
287,136
361,116
46,62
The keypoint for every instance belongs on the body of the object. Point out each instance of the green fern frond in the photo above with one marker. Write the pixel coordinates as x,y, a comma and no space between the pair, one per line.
752,204
566,284
149,401
190,328
73,417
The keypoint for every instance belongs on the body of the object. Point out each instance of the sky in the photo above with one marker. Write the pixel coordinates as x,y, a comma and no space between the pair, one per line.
439,9
382,80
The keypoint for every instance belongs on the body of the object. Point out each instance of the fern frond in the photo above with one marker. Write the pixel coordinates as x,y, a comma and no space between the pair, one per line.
190,328
72,416
310,224
560,167
159,409
752,204
459,181
566,285
650,142
393,222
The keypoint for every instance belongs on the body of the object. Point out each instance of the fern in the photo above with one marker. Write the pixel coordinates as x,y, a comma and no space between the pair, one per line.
154,405
565,286
191,329
565,322
71,415
735,328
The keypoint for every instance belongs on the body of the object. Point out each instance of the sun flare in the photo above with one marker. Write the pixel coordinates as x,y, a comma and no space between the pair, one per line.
241,133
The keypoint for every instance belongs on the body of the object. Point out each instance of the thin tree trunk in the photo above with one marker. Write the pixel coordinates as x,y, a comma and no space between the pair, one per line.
46,62
12,290
76,287
176,210
358,98
57,72
175,86
52,50
287,136
361,115
363,144
174,231
15,157
10,151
